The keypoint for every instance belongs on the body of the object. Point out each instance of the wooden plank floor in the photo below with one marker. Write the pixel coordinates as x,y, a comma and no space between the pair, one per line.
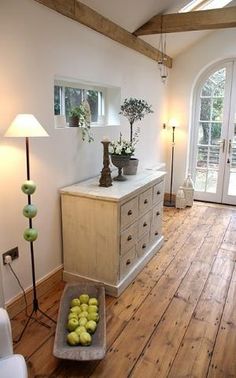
177,319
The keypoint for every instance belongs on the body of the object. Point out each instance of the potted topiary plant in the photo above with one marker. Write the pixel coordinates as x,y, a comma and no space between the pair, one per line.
134,109
79,116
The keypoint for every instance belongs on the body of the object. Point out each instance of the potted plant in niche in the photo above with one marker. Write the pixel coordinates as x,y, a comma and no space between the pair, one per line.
134,110
120,152
79,116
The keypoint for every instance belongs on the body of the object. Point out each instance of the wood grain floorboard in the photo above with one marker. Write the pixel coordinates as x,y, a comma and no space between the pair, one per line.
176,319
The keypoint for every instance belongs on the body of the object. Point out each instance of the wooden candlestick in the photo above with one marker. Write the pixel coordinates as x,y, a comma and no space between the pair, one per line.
105,179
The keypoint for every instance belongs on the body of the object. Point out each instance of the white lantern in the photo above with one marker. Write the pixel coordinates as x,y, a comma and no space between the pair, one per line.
180,202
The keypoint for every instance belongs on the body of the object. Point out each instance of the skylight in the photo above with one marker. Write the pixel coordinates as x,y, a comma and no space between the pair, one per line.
196,5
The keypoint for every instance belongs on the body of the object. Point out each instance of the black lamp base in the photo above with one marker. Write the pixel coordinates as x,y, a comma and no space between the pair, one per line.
169,203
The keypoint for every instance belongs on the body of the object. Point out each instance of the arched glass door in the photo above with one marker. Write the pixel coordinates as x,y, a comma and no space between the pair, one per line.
214,136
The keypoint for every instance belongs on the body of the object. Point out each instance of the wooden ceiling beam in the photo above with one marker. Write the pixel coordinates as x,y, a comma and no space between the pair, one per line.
197,20
80,12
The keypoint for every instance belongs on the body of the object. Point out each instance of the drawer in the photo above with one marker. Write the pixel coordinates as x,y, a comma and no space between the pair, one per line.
144,224
128,238
127,262
145,201
157,214
155,233
143,245
156,226
158,192
129,212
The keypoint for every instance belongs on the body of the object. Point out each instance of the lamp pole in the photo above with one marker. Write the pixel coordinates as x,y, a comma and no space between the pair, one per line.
170,203
36,307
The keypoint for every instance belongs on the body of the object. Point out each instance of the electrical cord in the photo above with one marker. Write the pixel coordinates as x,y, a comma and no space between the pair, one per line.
19,283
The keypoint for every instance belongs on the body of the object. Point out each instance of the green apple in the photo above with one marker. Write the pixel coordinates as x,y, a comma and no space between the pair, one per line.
28,187
30,234
93,316
83,314
92,308
93,301
30,211
91,326
76,309
80,329
84,298
75,302
72,315
84,307
82,321
85,338
72,324
73,338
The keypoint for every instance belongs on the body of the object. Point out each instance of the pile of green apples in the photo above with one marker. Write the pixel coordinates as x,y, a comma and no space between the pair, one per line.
82,320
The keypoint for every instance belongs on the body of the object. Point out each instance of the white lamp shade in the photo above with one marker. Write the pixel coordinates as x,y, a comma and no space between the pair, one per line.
25,125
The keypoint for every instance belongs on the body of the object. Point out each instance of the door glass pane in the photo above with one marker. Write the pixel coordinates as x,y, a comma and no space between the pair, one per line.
215,132
202,156
218,76
200,180
232,183
205,114
232,174
203,133
211,181
234,138
217,109
214,153
219,90
208,88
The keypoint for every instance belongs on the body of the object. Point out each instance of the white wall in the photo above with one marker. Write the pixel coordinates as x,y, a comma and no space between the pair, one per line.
36,44
216,46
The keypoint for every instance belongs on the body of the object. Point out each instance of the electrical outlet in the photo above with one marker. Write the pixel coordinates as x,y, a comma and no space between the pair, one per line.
14,253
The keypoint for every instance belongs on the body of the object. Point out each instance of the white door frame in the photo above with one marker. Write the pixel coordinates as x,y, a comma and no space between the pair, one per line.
227,119
226,198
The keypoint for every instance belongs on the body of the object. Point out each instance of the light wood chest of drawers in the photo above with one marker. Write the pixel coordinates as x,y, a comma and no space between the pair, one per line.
109,234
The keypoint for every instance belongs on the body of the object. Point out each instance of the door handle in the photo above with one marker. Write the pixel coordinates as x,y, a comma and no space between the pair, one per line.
230,146
222,142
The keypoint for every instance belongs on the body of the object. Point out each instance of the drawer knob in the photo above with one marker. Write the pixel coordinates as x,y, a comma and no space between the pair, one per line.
130,212
156,233
128,262
145,224
145,201
144,246
129,237
158,192
157,213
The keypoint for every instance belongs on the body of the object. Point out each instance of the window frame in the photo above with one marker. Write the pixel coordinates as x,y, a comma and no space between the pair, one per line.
102,96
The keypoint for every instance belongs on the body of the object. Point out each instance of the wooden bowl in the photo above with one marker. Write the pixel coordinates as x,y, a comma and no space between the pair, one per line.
97,350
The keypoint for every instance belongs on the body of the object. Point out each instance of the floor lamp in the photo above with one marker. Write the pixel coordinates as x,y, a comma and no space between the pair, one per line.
171,202
27,126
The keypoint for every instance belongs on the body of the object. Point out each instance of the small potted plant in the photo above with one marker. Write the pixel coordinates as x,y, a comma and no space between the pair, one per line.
120,152
134,110
79,116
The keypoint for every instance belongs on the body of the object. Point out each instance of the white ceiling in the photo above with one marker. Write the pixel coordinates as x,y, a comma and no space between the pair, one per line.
132,14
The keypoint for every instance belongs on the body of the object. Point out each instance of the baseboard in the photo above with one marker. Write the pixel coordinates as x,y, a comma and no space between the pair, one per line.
17,304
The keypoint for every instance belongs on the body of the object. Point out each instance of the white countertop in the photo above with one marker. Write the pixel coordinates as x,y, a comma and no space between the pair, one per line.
119,189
